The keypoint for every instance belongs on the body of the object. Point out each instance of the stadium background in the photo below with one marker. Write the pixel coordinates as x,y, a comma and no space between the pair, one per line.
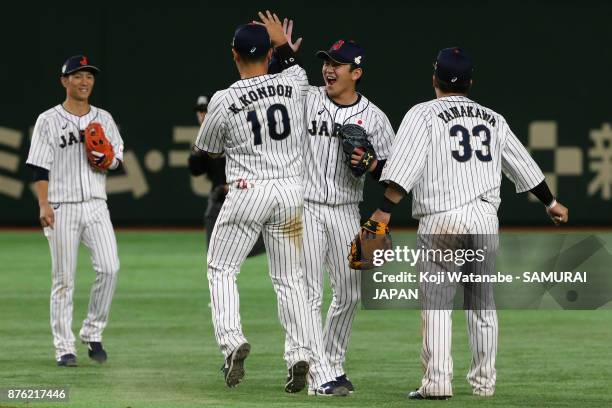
543,65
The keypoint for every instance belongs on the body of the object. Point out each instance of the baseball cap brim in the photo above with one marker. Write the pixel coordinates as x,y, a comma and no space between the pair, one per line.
325,55
91,68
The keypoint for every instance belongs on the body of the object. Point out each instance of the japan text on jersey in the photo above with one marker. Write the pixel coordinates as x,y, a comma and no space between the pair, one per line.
57,146
328,178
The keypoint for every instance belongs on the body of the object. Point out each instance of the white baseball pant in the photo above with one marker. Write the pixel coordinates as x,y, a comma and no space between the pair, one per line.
328,232
273,208
90,223
479,221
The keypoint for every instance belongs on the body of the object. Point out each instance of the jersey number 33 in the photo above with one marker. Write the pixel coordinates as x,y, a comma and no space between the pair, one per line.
464,153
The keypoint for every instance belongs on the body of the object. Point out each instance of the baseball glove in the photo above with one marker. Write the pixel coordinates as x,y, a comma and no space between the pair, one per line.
100,152
372,236
355,140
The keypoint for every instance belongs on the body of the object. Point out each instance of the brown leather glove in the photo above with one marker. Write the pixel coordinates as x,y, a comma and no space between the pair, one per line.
372,236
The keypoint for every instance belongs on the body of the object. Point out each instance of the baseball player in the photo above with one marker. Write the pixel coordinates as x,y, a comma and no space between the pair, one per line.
71,191
201,163
332,193
450,152
258,122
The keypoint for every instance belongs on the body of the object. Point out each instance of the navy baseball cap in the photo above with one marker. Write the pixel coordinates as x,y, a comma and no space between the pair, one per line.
251,39
78,63
344,52
454,66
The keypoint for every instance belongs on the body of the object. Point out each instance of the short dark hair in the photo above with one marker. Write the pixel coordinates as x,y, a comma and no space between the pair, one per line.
249,59
444,86
353,67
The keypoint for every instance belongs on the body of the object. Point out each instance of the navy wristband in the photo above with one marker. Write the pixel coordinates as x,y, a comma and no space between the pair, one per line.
386,205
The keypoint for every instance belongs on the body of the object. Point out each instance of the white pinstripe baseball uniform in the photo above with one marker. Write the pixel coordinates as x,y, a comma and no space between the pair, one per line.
77,194
450,152
259,123
331,213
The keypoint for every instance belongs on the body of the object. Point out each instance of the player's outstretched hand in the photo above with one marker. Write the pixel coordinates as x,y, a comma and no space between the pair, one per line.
288,30
46,217
274,27
558,214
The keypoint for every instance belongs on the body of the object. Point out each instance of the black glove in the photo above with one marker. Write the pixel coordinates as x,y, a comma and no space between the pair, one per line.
354,137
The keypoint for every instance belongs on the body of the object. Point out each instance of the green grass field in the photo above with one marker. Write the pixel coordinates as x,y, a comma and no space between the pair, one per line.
162,352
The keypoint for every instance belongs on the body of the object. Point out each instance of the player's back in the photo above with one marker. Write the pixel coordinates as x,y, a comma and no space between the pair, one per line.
451,151
464,158
260,126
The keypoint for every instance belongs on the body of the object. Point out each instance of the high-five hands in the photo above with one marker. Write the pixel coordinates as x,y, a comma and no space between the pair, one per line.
274,27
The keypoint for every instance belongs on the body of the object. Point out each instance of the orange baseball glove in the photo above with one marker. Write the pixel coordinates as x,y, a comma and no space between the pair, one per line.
100,152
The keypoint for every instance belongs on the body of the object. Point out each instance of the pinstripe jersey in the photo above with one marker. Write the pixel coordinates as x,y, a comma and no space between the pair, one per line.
259,124
451,150
57,145
327,178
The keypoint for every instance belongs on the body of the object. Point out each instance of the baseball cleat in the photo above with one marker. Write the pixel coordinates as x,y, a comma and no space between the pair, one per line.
296,377
96,352
233,370
345,382
67,360
416,395
330,389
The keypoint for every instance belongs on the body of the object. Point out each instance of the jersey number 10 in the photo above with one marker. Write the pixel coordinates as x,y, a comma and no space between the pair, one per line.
484,154
272,123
